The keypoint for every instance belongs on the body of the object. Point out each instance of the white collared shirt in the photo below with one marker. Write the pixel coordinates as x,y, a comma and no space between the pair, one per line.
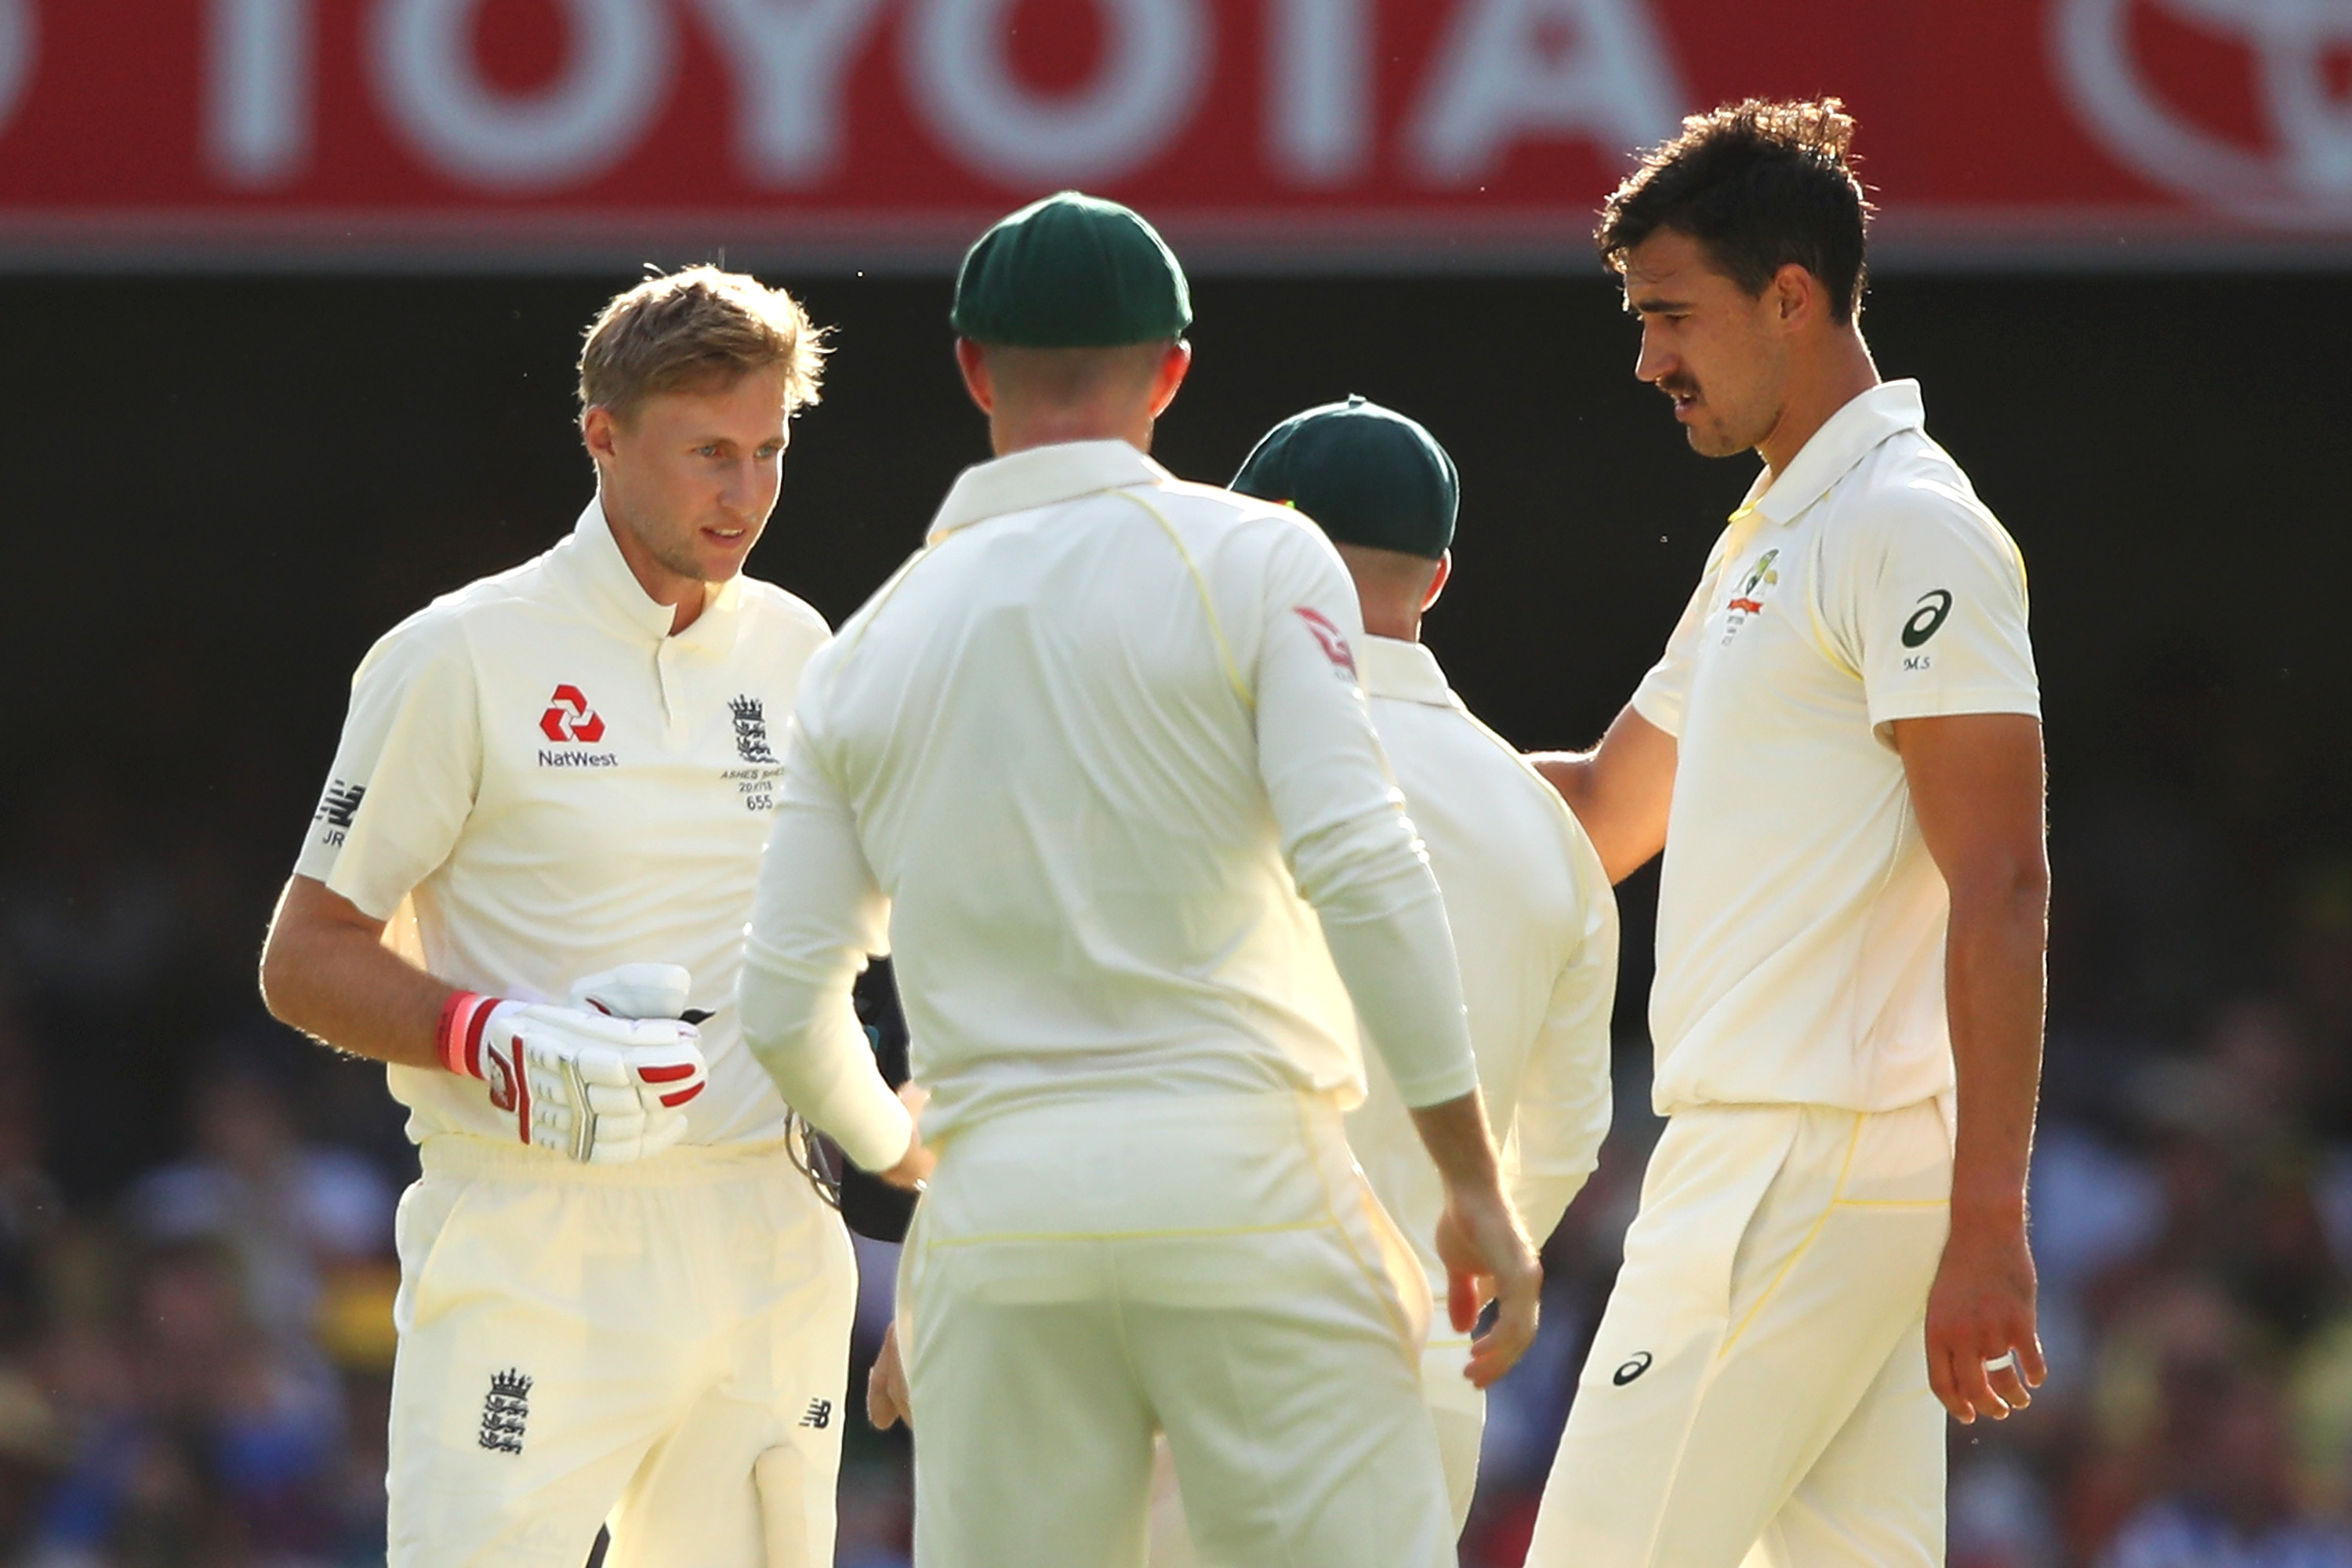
557,785
1083,755
1801,919
1535,931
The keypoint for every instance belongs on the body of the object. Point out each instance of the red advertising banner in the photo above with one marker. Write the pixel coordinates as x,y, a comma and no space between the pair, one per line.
1257,132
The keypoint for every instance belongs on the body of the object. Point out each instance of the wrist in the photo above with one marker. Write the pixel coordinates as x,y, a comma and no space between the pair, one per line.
2000,1208
465,1019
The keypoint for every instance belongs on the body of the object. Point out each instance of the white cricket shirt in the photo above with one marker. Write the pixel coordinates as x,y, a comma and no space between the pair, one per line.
561,786
1535,932
1083,754
1801,921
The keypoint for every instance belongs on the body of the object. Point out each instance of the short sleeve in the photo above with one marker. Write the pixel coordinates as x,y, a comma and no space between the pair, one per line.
1932,610
405,773
1661,695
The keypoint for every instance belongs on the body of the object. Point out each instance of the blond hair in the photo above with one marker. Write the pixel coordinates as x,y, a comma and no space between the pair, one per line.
698,330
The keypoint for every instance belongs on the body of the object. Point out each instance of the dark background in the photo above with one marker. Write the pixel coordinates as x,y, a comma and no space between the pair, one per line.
219,493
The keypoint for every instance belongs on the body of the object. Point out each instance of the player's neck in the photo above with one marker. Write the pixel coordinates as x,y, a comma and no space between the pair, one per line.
683,597
1392,621
1833,374
1019,429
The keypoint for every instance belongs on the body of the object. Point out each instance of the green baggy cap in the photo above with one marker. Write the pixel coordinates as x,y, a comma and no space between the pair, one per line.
1072,271
1366,474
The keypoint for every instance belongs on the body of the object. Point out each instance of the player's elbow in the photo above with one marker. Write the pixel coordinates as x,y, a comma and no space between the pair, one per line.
2004,885
280,975
294,954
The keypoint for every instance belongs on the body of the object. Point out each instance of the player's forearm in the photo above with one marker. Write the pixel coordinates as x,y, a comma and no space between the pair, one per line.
801,1026
1389,942
1620,789
326,972
1994,992
1460,1143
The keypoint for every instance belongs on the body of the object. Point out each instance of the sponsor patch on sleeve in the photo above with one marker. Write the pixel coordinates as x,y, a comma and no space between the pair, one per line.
1328,636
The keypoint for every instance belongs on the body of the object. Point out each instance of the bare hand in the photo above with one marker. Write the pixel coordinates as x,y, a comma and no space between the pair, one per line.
886,1385
1487,1258
914,1167
1980,1309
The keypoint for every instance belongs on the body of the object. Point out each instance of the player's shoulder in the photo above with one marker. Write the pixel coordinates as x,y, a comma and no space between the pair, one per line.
1215,505
784,612
1909,493
1247,527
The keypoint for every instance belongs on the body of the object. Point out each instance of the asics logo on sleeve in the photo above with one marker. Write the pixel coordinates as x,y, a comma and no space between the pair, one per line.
1928,618
1631,1368
568,718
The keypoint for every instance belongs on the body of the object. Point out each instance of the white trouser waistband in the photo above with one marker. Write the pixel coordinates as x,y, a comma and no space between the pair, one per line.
686,1165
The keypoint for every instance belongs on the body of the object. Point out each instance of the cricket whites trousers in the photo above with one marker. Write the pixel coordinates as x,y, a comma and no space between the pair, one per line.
1083,1276
1757,1390
662,1344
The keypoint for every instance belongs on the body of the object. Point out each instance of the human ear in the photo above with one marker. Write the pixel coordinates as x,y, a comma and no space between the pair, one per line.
1795,293
1170,376
1437,583
597,428
972,359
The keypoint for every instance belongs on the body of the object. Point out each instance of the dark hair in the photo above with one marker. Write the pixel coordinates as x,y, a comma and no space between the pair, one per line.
1759,184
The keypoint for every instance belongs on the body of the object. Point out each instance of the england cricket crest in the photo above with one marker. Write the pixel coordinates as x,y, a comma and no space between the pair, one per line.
750,730
506,1412
1749,600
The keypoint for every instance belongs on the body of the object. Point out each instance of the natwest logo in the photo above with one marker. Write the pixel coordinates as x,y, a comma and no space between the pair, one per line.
568,718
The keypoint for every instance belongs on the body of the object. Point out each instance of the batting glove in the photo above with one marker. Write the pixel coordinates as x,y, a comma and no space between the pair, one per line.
598,1089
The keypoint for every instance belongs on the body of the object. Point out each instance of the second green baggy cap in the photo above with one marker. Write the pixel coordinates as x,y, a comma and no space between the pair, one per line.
1366,474
1072,271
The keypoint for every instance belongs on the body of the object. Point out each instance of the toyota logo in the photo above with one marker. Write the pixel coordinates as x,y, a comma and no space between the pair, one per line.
2302,179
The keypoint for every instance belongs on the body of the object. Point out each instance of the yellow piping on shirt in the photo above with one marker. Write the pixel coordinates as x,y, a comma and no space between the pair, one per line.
1208,606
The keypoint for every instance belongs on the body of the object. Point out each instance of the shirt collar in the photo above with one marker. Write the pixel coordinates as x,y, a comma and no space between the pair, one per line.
1040,477
1403,671
1849,435
600,575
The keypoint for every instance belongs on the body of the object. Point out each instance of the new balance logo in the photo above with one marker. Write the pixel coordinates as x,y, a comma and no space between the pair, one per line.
339,804
568,718
505,1409
820,1415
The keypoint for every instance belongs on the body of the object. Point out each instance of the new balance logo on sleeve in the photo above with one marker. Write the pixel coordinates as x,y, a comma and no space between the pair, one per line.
820,1415
338,806
506,1410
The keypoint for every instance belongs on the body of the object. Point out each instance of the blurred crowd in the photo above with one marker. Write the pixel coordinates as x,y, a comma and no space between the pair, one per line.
195,1207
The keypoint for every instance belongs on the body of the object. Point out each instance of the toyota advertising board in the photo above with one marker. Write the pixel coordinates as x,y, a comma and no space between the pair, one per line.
1260,134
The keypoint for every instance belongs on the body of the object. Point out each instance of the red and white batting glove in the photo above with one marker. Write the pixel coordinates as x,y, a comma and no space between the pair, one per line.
598,1089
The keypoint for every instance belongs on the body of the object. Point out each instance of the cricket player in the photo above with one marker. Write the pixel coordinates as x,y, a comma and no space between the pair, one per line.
1535,923
618,1296
1096,766
1840,755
